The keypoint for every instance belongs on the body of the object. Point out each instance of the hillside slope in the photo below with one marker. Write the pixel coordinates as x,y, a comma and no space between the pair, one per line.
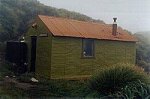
143,50
16,15
144,36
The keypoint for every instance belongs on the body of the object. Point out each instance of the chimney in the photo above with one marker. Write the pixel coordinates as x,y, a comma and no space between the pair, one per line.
114,27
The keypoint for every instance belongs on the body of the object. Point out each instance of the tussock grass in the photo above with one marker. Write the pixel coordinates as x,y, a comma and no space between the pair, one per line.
115,78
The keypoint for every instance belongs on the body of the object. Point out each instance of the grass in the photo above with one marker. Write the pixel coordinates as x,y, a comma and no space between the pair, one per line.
59,88
46,88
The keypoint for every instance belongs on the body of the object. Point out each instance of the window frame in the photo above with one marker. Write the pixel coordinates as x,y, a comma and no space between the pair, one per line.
93,47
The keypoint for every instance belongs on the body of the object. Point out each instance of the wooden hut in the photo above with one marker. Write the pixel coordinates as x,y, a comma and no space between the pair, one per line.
66,48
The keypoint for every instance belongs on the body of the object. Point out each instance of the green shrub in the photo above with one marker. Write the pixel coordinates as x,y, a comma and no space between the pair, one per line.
5,70
113,79
136,91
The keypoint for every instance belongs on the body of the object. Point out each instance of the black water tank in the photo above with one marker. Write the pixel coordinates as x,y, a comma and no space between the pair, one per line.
16,52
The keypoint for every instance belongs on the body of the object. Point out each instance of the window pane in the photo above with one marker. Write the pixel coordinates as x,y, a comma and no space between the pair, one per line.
88,46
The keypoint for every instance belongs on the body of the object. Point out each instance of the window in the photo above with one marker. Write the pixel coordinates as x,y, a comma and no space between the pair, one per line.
88,48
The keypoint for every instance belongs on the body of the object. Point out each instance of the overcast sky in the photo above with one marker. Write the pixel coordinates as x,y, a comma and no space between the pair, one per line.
133,15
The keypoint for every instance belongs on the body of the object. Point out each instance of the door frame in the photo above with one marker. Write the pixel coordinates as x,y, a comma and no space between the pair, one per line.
33,53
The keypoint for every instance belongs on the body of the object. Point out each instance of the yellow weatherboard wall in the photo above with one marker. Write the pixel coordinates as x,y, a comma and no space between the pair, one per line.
67,61
61,57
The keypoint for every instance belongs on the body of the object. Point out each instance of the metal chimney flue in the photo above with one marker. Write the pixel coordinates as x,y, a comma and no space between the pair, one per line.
114,27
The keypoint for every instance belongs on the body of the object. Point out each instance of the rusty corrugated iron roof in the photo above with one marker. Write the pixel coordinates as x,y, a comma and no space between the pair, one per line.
74,28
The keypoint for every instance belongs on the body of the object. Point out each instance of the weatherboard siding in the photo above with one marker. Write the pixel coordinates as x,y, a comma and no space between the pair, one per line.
67,61
43,56
43,50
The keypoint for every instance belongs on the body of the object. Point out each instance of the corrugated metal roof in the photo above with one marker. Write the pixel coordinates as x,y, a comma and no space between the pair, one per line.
74,28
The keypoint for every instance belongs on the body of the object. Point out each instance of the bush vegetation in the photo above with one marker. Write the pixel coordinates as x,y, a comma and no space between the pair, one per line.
137,91
143,51
113,79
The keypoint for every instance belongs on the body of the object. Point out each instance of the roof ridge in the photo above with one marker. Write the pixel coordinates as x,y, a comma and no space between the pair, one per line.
91,22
